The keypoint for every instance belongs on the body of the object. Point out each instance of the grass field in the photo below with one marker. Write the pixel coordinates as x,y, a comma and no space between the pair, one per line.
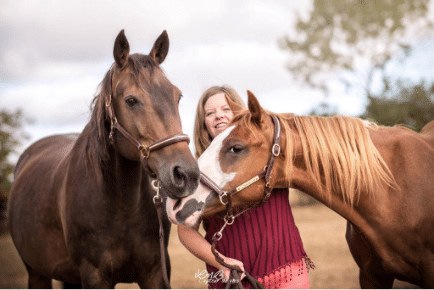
322,232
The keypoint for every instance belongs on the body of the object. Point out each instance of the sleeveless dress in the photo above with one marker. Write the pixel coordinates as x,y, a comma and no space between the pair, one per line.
268,243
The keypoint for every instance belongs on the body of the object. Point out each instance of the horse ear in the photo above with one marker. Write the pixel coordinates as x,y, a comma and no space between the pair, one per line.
161,48
121,50
255,108
235,108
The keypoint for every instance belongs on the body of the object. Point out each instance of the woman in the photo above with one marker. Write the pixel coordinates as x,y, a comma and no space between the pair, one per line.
264,241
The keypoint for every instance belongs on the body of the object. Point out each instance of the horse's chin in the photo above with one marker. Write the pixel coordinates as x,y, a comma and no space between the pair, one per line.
175,206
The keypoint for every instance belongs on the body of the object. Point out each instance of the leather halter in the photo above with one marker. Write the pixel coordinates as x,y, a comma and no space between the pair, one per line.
266,173
145,151
229,218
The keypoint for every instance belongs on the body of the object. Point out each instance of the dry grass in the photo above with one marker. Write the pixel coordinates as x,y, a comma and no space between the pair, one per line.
322,232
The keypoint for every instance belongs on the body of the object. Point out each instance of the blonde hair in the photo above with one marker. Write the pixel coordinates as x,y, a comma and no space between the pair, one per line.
201,136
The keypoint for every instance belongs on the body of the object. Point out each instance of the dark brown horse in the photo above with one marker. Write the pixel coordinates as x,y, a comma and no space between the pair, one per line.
81,207
381,179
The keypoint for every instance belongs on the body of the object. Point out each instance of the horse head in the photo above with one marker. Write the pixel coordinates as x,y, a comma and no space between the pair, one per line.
234,157
141,101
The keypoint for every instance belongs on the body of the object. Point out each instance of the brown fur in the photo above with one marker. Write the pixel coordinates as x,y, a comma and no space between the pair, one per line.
80,209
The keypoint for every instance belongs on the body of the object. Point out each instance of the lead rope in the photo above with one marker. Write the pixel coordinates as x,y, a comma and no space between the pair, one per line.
236,272
158,201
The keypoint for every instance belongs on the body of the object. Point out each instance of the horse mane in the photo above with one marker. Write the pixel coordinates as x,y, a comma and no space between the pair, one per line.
97,148
341,149
338,153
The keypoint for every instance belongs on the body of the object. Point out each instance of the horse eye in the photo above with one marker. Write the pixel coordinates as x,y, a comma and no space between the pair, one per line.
236,149
131,101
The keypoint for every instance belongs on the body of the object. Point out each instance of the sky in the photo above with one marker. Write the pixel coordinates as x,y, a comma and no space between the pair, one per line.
53,55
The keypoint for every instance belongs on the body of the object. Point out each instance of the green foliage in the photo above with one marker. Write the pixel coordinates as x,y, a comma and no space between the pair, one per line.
341,36
324,110
11,136
412,106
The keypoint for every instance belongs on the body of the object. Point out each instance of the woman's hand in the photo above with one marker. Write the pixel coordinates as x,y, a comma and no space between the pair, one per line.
227,271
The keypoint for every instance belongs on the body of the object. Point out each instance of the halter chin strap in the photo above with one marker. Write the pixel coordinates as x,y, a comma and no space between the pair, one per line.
266,173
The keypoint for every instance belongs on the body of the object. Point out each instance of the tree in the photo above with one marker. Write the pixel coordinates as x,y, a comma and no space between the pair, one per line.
353,41
11,137
410,105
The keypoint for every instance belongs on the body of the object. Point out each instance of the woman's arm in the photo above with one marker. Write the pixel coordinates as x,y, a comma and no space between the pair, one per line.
201,248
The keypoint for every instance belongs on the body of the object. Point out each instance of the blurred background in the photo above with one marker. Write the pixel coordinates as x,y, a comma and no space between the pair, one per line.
369,59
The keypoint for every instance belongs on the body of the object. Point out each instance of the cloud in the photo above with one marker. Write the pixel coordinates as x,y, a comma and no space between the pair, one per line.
53,54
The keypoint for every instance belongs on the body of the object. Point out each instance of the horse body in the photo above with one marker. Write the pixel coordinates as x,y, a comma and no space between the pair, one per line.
81,209
380,179
395,239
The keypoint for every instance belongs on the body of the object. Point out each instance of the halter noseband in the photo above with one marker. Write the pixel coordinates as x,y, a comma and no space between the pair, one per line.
266,173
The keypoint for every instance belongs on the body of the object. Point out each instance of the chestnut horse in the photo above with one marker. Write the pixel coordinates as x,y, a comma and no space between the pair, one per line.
381,179
81,206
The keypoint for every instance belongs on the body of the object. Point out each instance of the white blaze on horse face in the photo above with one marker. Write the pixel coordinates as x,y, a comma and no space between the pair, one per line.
209,161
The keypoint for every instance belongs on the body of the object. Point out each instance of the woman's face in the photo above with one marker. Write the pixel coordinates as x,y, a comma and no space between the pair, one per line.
218,114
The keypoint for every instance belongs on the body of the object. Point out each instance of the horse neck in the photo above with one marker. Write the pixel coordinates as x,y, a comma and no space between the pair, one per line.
301,179
127,174
118,175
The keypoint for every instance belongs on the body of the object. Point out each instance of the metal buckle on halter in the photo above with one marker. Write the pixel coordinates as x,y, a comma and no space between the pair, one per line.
144,151
276,150
224,194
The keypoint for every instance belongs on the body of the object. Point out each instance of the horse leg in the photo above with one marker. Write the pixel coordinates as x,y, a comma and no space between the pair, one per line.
372,281
153,279
37,281
91,277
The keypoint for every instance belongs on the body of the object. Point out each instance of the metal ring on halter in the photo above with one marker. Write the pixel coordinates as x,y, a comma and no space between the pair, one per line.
276,150
225,193
217,236
157,199
145,152
229,219
156,186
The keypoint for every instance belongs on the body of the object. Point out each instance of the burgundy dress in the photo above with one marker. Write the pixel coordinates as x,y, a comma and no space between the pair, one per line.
265,239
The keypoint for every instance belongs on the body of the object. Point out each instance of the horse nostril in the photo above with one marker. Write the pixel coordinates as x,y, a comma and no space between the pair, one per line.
179,177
